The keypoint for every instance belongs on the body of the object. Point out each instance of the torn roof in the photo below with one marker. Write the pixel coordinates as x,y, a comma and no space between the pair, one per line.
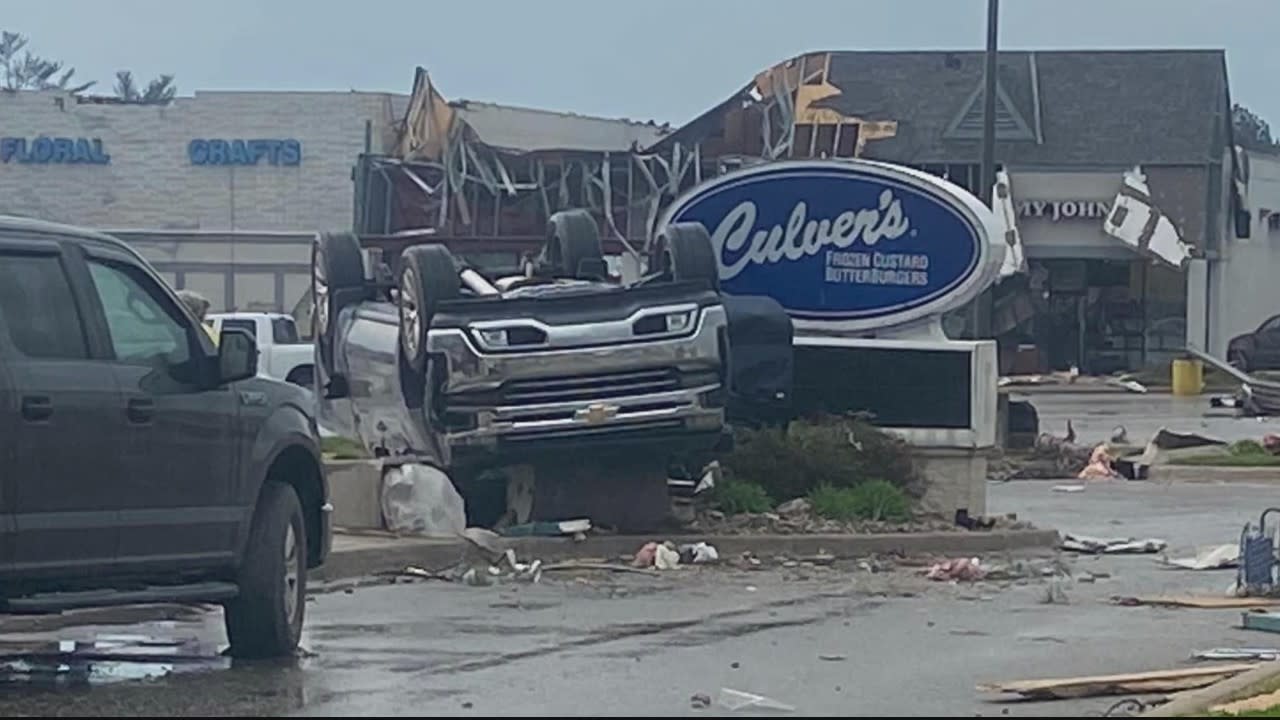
430,119
1053,108
528,130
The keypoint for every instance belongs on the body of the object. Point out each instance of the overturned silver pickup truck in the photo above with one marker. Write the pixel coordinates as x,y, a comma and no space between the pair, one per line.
556,367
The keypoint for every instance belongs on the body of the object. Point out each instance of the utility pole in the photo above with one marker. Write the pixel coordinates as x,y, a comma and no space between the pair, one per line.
989,106
982,305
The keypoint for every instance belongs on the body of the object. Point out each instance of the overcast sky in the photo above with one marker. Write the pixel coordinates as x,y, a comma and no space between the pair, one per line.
663,59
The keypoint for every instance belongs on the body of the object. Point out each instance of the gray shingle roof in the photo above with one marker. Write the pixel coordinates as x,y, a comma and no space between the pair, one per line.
1095,107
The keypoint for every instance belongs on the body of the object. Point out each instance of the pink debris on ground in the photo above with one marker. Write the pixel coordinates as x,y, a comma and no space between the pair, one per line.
1099,467
645,555
963,569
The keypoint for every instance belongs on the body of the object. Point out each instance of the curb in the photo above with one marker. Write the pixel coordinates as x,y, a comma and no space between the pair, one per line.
1196,703
1213,474
388,555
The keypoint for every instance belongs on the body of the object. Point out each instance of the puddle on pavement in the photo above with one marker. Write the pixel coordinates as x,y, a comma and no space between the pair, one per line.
103,660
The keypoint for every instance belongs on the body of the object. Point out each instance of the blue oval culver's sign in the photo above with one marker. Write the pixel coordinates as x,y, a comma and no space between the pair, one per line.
849,245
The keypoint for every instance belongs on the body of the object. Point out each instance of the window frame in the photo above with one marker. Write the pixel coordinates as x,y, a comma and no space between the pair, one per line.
35,245
202,352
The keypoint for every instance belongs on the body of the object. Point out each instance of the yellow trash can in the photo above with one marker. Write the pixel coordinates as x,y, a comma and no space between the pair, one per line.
1188,377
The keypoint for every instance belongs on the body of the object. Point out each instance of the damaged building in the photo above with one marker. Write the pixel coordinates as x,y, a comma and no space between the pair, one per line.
1088,284
1091,285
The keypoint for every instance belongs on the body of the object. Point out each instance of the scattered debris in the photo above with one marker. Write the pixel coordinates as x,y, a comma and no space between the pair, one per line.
1193,601
1071,377
1144,682
420,499
1254,704
1128,707
666,557
1054,593
966,521
645,555
1099,467
738,700
699,553
700,701
1237,654
1111,546
797,508
549,528
833,658
1068,488
1215,557
414,571
587,565
961,569
1264,621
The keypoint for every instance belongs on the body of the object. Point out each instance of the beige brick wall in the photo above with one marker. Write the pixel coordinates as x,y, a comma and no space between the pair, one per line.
150,181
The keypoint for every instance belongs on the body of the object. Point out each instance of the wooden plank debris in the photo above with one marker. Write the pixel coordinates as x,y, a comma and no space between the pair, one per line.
1198,601
1257,702
1158,681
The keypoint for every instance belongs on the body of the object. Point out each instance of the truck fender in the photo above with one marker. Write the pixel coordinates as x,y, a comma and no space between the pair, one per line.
286,447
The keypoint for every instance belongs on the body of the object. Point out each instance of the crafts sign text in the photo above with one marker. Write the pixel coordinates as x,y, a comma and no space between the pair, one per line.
851,244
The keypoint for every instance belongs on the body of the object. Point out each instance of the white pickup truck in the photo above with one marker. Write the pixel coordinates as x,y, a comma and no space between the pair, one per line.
281,354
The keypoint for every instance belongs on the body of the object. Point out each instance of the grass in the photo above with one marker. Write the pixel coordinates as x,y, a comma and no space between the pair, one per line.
1210,460
1244,453
871,500
340,448
1273,711
737,496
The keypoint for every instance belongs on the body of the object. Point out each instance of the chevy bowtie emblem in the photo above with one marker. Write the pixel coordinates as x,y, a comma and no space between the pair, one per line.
596,413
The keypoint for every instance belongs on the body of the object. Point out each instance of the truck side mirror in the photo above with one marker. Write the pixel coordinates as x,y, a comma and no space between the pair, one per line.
237,355
337,388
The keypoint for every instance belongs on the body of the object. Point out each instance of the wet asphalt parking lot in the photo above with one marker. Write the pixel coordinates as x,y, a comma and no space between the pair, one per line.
841,640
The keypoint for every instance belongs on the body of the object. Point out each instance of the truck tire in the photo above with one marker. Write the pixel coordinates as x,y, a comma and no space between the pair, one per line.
428,276
573,238
265,619
684,253
337,279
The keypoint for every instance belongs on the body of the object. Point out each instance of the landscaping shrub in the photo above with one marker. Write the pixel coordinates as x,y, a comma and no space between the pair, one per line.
340,448
1248,447
871,500
737,496
833,451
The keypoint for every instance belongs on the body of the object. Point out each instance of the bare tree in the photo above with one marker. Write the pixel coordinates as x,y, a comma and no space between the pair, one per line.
159,91
22,70
1251,131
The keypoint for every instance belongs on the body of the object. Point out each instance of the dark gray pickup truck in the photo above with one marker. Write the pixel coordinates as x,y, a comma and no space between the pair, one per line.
142,463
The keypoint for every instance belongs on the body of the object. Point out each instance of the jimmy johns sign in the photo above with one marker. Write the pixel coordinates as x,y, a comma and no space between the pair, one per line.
846,245
1056,210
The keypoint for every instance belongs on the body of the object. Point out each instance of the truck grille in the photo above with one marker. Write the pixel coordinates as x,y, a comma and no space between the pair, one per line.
588,387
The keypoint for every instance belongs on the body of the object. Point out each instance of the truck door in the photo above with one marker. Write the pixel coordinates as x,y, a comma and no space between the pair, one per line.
8,454
62,405
180,509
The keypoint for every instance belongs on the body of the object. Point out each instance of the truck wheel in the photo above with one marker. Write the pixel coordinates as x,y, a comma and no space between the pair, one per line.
265,619
337,278
428,276
685,254
573,238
